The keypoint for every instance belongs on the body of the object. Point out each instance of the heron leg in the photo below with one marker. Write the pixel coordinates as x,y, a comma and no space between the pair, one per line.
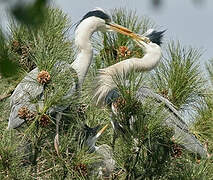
114,133
56,139
114,139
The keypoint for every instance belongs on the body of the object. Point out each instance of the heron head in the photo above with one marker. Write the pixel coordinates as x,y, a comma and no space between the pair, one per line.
91,135
154,36
101,21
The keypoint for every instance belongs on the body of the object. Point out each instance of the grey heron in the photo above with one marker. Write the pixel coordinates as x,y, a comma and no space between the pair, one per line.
89,137
96,20
172,119
106,91
150,43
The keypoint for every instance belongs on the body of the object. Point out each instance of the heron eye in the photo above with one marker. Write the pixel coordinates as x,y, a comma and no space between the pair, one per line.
107,21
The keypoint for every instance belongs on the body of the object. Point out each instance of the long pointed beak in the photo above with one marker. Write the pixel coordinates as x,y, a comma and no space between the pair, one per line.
127,32
101,131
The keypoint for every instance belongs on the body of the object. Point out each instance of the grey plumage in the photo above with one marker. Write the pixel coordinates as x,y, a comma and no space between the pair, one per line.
106,164
173,119
26,90
29,90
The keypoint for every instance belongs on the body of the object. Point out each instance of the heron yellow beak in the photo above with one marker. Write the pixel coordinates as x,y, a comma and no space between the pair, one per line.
127,32
101,131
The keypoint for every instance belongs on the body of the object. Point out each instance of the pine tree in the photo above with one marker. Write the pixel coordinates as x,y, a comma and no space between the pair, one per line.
144,148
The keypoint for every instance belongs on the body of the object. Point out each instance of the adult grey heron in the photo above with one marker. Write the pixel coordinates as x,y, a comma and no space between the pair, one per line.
172,118
150,43
96,20
106,91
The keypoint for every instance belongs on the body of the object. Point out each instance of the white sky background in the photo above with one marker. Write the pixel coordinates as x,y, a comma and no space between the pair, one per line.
190,23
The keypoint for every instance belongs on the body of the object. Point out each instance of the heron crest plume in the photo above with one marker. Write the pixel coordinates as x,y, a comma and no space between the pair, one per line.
155,36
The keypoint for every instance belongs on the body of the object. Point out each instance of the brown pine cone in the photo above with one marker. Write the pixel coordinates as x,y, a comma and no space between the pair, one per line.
176,151
81,169
43,77
16,47
82,109
23,112
44,120
123,51
25,50
119,103
30,116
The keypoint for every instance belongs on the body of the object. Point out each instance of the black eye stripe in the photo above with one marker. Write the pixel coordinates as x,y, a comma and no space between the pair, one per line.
97,13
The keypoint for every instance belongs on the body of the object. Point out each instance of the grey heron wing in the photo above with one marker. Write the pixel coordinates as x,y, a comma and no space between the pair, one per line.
22,96
145,92
175,121
61,67
189,141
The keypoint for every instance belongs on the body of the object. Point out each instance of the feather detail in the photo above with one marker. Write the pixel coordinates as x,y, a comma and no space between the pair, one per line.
104,84
106,78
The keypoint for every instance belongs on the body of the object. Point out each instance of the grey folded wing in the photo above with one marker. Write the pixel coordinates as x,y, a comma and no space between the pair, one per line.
173,120
27,90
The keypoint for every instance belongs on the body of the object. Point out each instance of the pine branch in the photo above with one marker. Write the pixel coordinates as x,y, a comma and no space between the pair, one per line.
178,77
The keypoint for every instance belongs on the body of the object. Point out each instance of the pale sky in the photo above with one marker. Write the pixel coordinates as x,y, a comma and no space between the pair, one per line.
191,24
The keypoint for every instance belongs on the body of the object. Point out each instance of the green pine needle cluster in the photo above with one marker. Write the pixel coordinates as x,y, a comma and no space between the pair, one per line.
45,45
178,76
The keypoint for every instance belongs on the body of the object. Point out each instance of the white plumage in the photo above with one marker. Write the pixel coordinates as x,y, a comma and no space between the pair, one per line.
105,79
96,20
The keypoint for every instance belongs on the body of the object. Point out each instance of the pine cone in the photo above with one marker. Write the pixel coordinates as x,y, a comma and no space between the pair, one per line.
176,151
16,47
44,120
23,112
165,93
82,109
123,51
43,77
30,116
24,54
119,103
25,50
81,169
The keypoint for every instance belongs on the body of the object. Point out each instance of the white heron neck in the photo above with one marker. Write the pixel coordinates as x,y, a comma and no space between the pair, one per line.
83,34
105,81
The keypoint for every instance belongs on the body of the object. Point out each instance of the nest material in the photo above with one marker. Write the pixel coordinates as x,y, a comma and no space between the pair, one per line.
43,77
